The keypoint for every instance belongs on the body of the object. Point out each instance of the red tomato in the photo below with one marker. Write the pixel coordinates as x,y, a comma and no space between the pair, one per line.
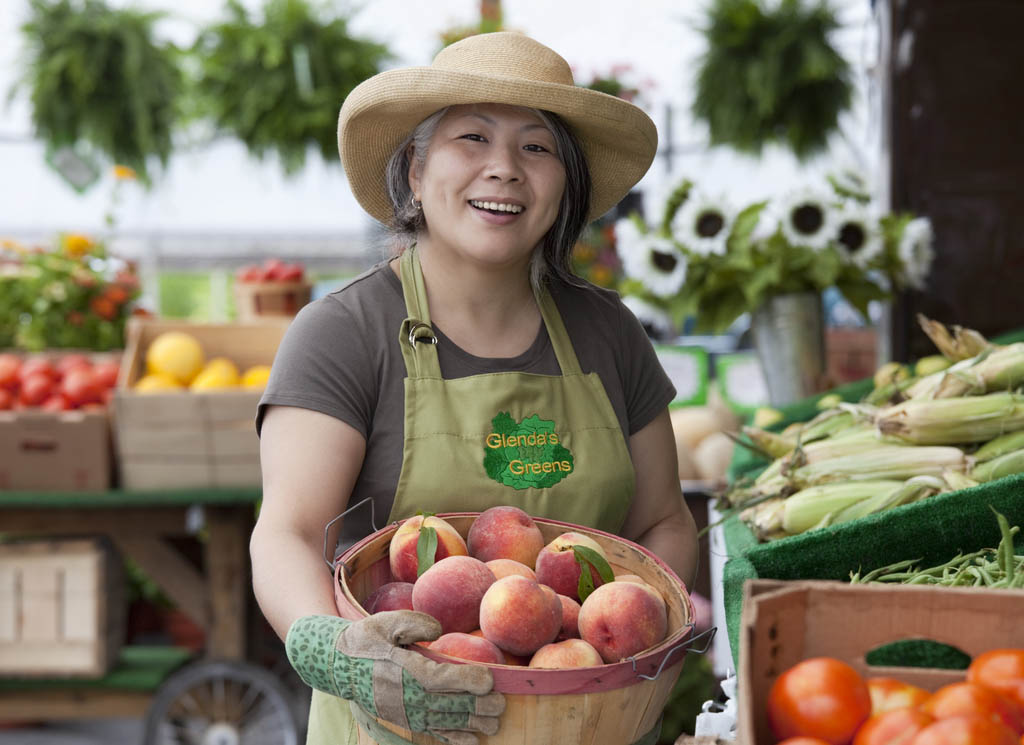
9,367
1001,670
802,741
6,399
250,273
34,365
966,730
81,387
272,269
961,699
106,373
36,388
71,361
291,273
821,697
889,693
893,727
56,402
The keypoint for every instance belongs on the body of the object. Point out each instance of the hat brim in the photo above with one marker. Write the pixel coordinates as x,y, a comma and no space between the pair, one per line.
618,138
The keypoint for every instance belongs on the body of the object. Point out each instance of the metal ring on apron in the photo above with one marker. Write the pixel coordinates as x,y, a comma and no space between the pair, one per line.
413,338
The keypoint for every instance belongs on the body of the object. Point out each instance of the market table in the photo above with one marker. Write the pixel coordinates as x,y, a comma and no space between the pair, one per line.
141,524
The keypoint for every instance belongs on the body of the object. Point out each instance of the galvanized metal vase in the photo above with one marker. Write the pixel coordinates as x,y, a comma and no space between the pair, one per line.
789,335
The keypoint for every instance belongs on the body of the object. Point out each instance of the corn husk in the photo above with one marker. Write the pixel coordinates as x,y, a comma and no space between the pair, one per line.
890,393
765,519
912,490
962,344
925,387
995,370
805,509
882,462
770,443
957,480
1000,446
951,421
1005,465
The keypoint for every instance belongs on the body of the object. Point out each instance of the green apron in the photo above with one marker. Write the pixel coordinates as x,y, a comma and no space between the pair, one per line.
550,445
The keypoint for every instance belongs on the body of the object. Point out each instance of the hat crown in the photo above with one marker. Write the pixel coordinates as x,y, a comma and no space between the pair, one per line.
505,54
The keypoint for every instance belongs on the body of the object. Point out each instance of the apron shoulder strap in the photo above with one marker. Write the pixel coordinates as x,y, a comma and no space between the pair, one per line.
560,341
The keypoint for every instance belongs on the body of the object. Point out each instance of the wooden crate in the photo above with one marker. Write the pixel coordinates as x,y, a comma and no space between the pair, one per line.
192,439
258,300
55,451
61,608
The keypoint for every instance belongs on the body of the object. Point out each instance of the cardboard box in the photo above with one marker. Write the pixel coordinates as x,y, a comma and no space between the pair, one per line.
61,608
55,451
192,439
257,300
786,622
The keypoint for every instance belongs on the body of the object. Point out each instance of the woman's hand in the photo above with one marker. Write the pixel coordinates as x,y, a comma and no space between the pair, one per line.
659,519
364,661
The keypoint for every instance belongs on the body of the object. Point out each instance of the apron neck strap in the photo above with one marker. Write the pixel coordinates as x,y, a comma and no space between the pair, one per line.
419,344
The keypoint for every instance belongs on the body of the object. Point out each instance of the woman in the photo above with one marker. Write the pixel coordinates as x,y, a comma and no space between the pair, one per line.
488,164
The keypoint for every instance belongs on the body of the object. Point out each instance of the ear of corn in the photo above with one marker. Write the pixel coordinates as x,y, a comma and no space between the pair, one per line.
770,443
826,424
805,509
765,519
957,480
997,468
950,421
911,490
994,370
882,462
925,387
1000,446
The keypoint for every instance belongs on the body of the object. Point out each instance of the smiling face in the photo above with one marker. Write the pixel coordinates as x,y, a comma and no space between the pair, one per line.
491,184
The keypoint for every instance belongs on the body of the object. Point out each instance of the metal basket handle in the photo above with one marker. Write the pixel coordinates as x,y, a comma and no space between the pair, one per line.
373,522
708,635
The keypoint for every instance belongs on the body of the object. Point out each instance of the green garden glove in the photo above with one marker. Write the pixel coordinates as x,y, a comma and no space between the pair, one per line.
363,661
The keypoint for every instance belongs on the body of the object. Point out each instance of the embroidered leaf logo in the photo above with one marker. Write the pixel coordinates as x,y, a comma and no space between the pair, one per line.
526,454
586,558
426,547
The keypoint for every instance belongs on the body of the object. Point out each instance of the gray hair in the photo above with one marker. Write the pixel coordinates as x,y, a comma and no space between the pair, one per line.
553,255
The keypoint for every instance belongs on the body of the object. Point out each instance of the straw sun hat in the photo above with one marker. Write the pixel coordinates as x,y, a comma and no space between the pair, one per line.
618,138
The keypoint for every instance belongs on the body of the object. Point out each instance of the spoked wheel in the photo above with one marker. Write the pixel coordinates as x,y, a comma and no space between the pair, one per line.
222,703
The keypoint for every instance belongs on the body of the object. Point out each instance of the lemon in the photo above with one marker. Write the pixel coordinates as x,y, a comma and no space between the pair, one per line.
157,383
176,354
224,368
256,377
215,378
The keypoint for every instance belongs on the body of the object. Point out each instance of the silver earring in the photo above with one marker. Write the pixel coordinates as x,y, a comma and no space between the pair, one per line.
416,204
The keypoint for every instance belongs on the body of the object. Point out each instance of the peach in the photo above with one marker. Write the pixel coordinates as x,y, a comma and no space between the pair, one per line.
519,615
402,551
468,647
510,659
568,653
557,566
505,533
505,567
451,592
570,618
390,596
621,619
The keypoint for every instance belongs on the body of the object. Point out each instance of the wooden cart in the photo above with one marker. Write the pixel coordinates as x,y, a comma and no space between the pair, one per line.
215,697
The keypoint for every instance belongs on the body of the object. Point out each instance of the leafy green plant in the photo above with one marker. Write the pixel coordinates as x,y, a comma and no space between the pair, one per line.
96,75
771,76
277,84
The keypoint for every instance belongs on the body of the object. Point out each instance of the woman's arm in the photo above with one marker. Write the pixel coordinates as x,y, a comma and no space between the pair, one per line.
659,519
310,463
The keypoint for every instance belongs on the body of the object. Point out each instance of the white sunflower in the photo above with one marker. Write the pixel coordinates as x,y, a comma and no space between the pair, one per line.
652,260
808,219
858,235
651,317
703,225
915,252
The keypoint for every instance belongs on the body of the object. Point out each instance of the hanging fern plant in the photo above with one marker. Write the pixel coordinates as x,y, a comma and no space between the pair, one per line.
277,85
97,77
771,76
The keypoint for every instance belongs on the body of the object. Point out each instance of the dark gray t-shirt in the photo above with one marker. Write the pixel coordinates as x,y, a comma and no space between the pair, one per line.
341,357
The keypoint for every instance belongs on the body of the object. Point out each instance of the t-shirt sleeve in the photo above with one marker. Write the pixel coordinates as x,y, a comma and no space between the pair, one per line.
323,363
648,388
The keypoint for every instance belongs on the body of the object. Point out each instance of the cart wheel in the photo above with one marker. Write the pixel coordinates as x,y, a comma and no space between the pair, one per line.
222,703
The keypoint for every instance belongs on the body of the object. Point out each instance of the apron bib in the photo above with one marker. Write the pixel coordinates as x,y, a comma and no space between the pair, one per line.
550,445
